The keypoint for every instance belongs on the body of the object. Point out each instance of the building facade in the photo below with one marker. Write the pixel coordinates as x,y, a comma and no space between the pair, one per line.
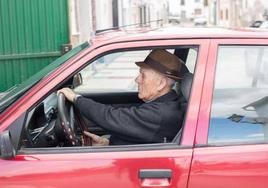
188,9
236,13
91,16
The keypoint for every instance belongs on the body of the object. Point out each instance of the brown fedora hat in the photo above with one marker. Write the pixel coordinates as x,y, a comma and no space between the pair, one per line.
163,62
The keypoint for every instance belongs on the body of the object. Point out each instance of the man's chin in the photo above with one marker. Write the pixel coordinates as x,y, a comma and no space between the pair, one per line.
140,97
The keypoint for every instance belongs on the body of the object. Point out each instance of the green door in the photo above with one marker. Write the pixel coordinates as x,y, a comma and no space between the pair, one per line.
32,33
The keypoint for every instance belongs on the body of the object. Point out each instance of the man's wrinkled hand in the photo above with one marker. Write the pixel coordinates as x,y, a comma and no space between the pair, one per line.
68,93
97,140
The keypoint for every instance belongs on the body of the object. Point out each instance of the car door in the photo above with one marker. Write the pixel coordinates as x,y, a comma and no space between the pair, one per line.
149,165
231,145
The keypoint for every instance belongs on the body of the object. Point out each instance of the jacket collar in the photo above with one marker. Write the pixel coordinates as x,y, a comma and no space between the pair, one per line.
170,96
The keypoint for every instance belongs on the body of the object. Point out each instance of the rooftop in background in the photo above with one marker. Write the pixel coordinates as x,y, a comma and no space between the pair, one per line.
118,35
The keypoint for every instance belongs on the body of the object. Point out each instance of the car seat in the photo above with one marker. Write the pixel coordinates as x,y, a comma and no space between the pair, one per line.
183,89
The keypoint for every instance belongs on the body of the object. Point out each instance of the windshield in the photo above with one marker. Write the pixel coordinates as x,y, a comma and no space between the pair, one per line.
17,91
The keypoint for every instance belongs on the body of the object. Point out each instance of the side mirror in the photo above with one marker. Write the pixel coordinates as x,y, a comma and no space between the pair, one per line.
77,80
7,149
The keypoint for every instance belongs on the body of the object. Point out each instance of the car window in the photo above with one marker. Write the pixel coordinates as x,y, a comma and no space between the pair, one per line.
191,59
114,72
110,79
239,112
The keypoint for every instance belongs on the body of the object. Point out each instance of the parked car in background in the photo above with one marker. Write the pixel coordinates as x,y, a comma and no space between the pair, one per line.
264,25
174,18
260,24
200,21
223,96
256,24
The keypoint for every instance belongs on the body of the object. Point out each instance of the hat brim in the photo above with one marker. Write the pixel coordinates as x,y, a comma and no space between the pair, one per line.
142,64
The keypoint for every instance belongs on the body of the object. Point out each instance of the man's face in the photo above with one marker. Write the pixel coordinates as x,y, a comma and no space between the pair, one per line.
148,81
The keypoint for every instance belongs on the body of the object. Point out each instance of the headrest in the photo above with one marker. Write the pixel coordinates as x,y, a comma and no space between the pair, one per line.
186,84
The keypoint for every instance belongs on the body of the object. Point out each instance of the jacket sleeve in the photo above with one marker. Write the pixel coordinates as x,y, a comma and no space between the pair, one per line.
140,122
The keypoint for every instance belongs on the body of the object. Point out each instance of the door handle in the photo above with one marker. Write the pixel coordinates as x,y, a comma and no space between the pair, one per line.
155,177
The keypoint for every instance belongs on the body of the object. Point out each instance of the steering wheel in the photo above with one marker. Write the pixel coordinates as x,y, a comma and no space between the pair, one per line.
66,114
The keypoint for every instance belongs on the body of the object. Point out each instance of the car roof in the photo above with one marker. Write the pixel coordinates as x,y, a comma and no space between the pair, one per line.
137,34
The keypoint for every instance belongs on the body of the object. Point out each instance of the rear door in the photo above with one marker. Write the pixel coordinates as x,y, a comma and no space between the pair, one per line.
231,144
163,164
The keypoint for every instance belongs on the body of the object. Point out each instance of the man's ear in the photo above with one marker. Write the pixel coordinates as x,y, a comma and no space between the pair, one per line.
162,84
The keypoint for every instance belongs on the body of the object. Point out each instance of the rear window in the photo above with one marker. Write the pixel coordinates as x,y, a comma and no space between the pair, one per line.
239,112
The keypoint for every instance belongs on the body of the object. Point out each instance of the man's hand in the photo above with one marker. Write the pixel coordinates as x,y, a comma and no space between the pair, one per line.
97,140
69,94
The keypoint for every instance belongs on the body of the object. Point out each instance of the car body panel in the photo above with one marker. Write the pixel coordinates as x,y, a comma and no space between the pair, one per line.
193,164
204,114
177,33
241,165
36,94
230,166
189,129
88,167
117,169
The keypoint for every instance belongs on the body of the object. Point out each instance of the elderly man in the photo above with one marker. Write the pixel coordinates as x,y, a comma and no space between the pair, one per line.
157,120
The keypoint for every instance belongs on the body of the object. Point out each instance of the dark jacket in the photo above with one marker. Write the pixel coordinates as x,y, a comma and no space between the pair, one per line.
153,122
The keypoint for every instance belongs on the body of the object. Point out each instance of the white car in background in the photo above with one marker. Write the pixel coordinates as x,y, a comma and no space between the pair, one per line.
264,25
256,24
200,21
174,18
259,24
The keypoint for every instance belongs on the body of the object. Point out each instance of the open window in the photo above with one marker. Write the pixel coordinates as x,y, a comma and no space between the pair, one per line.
110,80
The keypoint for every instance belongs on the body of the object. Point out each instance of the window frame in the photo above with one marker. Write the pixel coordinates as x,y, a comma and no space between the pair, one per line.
207,97
70,68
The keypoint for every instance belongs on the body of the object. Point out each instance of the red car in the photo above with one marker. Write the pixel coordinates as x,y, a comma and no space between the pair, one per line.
223,142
